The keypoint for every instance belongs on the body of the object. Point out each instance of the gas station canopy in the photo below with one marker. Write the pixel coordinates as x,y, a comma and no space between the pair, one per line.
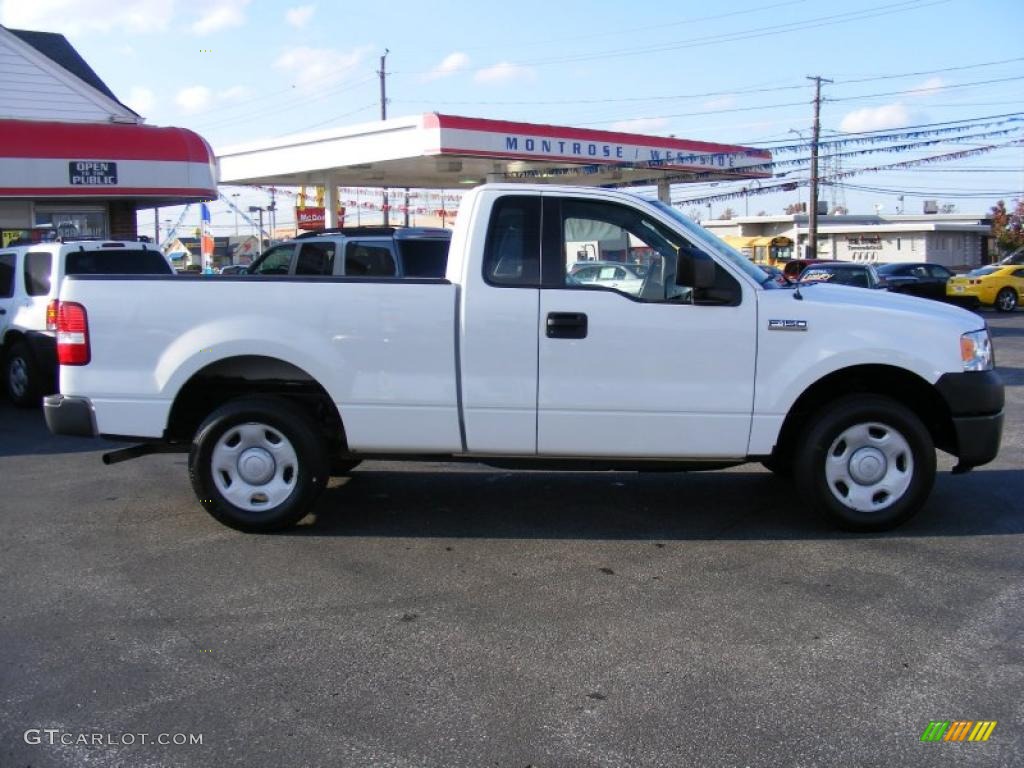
446,151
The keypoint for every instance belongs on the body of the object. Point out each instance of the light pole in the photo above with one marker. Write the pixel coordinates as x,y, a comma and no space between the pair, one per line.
259,234
800,134
236,195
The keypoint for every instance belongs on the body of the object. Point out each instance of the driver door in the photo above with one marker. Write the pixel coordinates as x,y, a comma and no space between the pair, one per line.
640,370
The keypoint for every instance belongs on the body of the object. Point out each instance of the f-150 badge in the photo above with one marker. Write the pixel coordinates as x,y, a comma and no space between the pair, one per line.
787,325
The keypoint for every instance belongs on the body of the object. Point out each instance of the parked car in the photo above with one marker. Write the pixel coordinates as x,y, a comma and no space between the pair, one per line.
775,273
842,273
916,279
628,278
30,277
359,252
997,285
268,383
233,269
794,267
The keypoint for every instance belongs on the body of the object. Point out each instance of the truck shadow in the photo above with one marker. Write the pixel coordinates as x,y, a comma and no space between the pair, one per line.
23,432
740,505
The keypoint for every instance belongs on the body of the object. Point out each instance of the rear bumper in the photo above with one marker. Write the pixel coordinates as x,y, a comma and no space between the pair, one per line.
975,400
72,416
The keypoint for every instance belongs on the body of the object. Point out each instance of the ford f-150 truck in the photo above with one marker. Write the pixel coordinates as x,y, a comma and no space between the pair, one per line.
273,383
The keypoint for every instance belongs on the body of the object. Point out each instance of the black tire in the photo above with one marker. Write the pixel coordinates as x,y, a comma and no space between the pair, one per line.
295,483
21,376
910,469
1006,300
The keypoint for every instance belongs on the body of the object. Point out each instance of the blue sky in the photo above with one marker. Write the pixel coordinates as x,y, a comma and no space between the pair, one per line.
235,70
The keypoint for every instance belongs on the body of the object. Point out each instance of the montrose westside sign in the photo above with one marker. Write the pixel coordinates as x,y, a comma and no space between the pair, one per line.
507,140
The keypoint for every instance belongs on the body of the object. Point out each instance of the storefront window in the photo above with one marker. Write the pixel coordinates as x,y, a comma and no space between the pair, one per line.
70,223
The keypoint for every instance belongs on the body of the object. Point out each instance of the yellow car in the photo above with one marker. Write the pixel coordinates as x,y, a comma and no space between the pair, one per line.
996,285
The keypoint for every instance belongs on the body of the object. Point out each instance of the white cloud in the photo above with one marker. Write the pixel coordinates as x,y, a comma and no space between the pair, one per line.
504,72
194,99
449,65
76,17
316,67
876,118
929,87
221,14
641,125
234,93
722,102
141,100
299,16
199,98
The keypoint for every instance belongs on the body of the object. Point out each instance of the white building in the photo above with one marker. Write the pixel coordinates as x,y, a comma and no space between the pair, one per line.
954,240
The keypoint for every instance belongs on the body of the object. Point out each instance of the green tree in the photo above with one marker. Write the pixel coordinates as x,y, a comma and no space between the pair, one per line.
1008,226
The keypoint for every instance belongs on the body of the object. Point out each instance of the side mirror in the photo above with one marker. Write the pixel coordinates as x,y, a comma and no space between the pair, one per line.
696,270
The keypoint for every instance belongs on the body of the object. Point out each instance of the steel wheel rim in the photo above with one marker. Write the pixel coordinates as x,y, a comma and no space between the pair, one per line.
17,376
869,467
254,466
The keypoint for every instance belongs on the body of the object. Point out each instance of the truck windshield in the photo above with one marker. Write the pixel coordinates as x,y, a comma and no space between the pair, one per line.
712,243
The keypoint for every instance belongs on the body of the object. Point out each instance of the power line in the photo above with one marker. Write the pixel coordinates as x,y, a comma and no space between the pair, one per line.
830,20
709,94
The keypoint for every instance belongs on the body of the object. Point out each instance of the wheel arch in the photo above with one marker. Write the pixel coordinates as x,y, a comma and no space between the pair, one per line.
228,378
902,385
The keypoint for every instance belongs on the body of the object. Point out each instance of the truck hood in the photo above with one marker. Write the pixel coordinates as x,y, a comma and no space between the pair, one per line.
859,304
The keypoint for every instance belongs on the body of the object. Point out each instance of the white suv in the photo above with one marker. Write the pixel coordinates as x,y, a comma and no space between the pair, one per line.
30,277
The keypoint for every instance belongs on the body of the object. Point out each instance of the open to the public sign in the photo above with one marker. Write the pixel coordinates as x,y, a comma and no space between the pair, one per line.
92,173
313,217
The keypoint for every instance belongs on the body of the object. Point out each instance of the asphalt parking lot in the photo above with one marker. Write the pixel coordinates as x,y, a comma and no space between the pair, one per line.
462,616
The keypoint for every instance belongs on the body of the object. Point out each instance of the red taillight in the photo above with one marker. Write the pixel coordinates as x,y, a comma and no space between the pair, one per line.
51,315
72,334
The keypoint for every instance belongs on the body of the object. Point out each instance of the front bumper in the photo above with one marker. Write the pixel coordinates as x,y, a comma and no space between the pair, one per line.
69,416
975,400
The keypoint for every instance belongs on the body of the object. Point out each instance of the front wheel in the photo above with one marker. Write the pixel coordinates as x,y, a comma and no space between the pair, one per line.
867,463
1006,300
258,464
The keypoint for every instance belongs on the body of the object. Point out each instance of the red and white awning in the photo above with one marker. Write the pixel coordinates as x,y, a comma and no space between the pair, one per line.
99,160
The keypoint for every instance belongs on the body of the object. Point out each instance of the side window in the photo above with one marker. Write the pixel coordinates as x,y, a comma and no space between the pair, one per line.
275,261
38,267
1019,273
919,272
315,259
369,258
512,253
939,272
634,255
424,258
6,275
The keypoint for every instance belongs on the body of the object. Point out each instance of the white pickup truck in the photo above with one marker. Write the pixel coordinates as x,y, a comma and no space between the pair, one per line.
273,383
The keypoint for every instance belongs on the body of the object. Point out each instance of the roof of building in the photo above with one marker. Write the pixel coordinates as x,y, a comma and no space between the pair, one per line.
57,48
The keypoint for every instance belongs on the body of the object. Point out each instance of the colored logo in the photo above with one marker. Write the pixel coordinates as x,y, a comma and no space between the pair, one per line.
958,730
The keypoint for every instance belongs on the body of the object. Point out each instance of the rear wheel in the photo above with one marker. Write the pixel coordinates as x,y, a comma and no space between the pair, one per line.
258,464
1006,300
867,463
21,376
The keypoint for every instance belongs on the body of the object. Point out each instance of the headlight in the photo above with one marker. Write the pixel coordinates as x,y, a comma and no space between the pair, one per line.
976,351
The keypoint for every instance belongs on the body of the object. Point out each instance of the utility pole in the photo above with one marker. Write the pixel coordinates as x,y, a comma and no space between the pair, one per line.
383,74
812,222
